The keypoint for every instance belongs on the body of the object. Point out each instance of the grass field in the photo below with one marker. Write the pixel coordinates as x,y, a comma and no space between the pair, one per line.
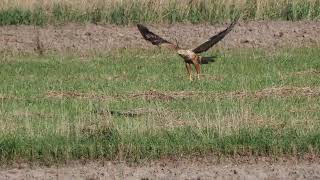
138,104
122,12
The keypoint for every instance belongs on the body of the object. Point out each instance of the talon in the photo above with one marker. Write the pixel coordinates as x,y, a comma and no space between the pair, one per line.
190,78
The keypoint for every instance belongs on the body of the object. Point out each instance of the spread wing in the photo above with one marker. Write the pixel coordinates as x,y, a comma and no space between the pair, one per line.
150,36
214,39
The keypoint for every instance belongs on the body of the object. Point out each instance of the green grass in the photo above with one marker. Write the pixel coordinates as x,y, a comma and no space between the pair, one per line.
55,108
147,11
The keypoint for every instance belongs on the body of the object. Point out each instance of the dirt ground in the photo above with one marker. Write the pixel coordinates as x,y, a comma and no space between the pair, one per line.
85,39
208,168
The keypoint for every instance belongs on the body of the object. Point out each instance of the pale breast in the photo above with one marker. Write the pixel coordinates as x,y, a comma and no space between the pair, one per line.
186,54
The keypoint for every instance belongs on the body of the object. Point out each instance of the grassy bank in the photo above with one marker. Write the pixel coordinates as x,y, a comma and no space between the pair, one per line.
136,105
125,11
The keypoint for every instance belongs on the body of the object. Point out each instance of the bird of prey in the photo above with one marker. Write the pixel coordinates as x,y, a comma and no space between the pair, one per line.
190,56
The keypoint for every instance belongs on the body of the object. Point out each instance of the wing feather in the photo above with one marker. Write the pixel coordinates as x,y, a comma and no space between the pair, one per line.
150,36
214,39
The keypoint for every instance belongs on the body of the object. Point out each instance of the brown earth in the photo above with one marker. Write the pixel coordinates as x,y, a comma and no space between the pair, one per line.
86,39
199,168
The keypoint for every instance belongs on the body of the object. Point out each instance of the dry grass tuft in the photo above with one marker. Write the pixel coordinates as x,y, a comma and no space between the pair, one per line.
285,91
39,44
152,95
306,72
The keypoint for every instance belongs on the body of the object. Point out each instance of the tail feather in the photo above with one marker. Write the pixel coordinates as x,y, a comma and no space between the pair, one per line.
207,60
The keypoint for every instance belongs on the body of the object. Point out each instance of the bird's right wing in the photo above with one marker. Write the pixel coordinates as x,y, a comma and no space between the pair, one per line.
153,38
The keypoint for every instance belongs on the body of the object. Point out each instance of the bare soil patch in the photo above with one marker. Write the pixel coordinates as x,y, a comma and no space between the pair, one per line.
90,38
196,168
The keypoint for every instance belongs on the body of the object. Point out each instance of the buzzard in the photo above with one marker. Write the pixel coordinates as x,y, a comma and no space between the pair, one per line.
190,56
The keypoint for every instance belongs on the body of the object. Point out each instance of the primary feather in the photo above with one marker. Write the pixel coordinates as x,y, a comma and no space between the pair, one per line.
214,39
150,36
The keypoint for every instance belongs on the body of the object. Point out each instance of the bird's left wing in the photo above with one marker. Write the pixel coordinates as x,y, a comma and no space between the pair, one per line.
153,38
214,39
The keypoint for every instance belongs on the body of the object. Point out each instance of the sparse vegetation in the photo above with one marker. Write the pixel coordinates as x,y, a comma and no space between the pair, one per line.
135,104
125,11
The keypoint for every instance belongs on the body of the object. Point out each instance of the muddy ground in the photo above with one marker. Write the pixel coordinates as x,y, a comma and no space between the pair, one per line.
85,39
209,168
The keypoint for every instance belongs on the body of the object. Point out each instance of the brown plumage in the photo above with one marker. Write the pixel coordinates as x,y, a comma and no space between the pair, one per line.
190,56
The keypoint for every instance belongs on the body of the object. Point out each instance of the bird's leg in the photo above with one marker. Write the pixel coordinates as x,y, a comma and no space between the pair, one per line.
188,66
197,66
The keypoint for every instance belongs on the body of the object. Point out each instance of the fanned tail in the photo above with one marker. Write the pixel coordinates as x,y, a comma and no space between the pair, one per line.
207,60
